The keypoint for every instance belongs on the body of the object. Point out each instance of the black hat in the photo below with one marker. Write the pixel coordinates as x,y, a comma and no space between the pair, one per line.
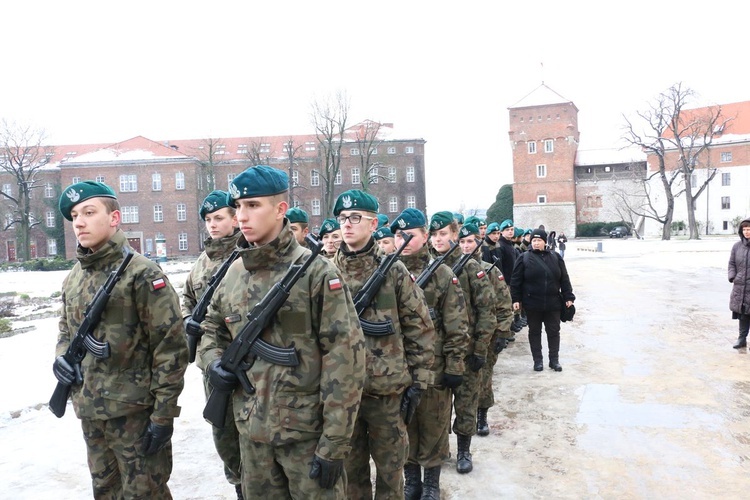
539,233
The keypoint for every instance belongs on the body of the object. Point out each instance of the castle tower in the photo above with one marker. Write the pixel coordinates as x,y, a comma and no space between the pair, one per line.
544,140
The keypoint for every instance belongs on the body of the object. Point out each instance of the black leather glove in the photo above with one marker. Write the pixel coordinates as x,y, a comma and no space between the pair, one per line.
328,472
500,344
157,436
451,381
409,403
65,373
475,362
220,379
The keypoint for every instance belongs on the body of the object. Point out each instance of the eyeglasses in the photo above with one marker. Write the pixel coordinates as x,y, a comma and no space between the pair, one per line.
354,218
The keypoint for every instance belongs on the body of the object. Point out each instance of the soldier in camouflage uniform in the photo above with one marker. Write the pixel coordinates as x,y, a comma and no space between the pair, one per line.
298,223
480,303
428,431
221,225
398,364
384,238
330,235
127,402
504,317
296,428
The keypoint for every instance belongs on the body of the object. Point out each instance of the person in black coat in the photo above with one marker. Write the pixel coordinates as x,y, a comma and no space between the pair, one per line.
539,284
739,276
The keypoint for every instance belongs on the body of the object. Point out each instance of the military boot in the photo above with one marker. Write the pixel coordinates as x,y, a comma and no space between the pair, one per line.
483,428
413,482
741,342
463,457
431,489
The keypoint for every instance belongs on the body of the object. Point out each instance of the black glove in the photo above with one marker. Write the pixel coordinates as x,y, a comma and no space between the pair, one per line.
328,472
500,344
220,379
451,381
409,403
475,362
157,436
192,327
65,373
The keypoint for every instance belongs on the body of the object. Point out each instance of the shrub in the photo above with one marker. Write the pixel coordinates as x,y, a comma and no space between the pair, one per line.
5,325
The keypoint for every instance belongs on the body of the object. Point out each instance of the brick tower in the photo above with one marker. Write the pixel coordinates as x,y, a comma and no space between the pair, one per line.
544,140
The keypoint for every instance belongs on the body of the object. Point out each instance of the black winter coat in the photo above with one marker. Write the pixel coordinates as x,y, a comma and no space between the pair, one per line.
534,287
739,276
507,254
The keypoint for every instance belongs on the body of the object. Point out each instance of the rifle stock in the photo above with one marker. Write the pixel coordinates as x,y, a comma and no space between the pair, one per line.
425,275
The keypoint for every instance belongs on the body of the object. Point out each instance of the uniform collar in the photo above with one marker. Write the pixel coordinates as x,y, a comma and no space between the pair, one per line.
110,252
271,254
220,248
416,261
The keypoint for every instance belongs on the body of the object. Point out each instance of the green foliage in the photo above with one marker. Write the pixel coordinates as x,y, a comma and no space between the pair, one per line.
24,296
43,264
55,294
5,325
677,225
503,207
597,229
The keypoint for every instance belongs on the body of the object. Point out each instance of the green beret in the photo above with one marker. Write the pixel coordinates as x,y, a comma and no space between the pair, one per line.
381,233
297,215
382,220
528,231
257,181
493,227
411,218
440,219
354,199
458,217
468,230
329,226
506,224
214,201
517,231
81,191
473,219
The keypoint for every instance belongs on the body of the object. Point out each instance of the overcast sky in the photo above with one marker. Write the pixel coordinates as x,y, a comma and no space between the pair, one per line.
447,72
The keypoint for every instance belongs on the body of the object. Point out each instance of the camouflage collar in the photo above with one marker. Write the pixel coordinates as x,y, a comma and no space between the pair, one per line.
416,262
221,248
271,255
109,253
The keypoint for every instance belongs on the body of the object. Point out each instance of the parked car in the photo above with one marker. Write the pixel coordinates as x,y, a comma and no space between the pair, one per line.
619,232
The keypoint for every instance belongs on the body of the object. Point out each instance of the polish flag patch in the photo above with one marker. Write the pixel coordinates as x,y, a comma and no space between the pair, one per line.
501,278
334,284
412,277
158,284
480,274
455,280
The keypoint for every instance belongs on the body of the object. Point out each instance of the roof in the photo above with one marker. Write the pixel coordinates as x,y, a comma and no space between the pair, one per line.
136,149
541,96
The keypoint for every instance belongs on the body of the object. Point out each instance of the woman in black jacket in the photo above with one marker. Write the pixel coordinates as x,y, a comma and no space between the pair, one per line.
539,284
739,276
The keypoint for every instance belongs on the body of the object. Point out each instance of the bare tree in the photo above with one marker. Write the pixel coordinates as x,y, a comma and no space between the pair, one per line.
208,154
258,152
291,150
22,156
367,140
329,117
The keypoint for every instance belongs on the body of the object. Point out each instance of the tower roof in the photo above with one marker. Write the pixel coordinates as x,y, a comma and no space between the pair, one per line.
540,96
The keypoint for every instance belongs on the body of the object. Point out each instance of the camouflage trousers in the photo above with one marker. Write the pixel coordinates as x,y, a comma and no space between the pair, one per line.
465,403
227,441
486,394
282,472
379,432
428,430
118,468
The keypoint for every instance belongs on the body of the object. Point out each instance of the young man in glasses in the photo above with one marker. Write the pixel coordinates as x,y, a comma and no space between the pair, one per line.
398,363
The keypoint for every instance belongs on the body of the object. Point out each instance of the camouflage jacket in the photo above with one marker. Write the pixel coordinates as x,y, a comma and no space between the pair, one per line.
404,358
446,300
503,304
480,303
143,326
319,398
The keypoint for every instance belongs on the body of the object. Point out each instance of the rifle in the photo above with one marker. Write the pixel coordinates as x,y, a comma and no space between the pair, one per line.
425,276
193,327
370,289
233,359
459,266
84,339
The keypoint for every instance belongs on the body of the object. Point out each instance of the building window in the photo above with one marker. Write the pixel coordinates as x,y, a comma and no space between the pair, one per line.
725,225
296,204
158,213
128,183
541,170
49,191
532,147
391,174
315,204
130,215
549,145
182,242
373,175
393,204
75,180
265,148
295,177
309,146
411,201
725,205
726,157
155,182
354,151
409,150
8,189
100,178
314,178
179,180
726,179
181,212
391,150
339,179
355,175
373,151
230,178
409,174
50,218
51,246
541,199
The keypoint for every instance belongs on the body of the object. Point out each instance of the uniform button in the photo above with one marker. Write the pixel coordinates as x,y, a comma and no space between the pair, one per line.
287,420
106,393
